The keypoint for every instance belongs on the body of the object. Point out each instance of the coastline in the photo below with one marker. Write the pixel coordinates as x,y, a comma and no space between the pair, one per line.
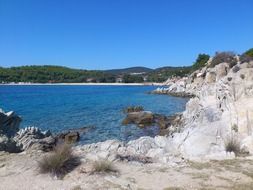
82,84
196,148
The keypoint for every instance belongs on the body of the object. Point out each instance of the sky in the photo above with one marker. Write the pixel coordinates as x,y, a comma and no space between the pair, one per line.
107,34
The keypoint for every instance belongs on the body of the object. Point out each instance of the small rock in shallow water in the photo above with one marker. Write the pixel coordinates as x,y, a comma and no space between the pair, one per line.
68,137
142,118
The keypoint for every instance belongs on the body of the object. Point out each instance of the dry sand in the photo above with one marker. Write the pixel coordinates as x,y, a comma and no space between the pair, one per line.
20,171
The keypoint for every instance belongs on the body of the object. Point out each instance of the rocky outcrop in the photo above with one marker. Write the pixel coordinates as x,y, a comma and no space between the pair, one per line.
9,123
8,145
144,150
222,107
13,139
32,138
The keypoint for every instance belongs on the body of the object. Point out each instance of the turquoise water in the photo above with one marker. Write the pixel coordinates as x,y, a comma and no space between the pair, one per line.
65,107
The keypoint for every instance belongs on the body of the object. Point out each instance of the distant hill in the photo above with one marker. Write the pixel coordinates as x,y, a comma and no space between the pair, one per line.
129,70
59,74
163,73
52,74
171,68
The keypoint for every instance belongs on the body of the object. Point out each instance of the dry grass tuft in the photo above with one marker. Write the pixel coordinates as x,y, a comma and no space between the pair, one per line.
103,166
60,162
233,145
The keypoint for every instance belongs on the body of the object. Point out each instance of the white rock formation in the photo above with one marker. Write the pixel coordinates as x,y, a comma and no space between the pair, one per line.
223,106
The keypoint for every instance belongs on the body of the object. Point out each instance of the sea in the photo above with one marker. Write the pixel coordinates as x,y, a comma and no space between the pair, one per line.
99,108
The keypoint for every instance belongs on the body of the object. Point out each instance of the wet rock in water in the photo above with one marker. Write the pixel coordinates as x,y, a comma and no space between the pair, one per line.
166,121
9,123
142,118
72,135
32,138
133,109
69,137
168,124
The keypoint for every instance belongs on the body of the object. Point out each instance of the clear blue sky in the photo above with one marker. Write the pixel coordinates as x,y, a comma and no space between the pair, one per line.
105,34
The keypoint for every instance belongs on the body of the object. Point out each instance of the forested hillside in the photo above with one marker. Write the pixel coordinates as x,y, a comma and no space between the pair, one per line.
53,74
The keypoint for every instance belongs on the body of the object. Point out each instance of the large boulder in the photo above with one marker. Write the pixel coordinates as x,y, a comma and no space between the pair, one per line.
210,77
9,123
69,137
221,70
72,135
141,146
8,145
142,118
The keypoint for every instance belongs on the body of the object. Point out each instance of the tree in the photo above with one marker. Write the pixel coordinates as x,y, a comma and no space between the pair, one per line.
200,61
247,56
132,79
249,52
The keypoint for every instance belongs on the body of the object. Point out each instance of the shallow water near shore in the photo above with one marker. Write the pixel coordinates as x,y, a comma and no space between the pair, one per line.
66,107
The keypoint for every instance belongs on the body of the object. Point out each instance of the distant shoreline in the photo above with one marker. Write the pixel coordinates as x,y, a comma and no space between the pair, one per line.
82,84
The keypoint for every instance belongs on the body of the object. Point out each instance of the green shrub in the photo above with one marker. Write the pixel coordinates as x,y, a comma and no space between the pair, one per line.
60,162
103,166
132,78
247,56
200,61
249,52
221,57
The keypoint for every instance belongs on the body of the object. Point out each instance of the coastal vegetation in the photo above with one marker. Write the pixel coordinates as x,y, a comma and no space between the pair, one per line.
200,61
249,53
59,162
132,79
201,131
224,57
52,74
103,166
247,56
58,74
162,74
232,144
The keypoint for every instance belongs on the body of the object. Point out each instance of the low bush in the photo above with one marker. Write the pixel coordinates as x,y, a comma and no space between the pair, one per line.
249,52
244,58
221,57
232,145
103,166
60,162
200,61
